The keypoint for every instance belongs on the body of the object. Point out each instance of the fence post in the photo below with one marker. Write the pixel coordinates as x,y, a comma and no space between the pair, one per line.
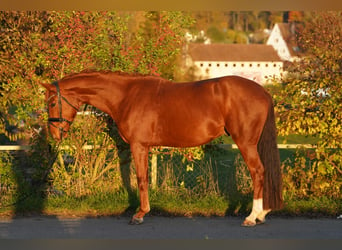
154,171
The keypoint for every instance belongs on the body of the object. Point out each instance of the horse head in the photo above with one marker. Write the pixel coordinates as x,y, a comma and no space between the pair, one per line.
62,109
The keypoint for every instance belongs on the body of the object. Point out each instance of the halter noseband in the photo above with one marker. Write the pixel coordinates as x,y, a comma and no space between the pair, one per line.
59,119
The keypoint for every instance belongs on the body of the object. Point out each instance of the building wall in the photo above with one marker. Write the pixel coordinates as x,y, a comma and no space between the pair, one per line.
261,72
277,41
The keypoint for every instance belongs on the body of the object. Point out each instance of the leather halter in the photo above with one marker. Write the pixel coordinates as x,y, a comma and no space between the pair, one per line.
60,119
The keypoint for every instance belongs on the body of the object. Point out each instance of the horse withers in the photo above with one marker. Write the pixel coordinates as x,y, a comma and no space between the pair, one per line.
151,111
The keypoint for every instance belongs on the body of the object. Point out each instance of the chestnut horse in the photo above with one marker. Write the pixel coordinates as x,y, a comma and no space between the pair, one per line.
151,111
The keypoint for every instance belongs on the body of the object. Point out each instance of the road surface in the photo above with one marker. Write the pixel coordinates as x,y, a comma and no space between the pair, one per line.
159,227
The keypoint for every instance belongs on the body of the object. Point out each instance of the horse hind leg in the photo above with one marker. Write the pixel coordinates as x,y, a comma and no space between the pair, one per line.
256,169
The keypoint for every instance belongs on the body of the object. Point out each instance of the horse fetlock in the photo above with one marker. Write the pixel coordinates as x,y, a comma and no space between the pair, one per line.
143,210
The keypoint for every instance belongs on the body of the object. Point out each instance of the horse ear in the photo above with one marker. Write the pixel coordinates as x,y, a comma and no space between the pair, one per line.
47,86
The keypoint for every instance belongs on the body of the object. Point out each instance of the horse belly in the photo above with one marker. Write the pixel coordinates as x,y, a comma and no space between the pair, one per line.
179,117
184,131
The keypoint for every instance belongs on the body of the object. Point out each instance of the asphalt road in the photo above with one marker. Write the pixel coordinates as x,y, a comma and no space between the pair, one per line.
158,227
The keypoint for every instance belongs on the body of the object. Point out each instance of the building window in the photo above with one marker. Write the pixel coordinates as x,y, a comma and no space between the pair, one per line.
201,64
250,65
274,65
234,65
258,64
242,65
226,65
266,65
209,64
218,65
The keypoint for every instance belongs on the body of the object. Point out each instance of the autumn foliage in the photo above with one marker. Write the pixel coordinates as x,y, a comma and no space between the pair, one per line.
38,47
45,46
311,104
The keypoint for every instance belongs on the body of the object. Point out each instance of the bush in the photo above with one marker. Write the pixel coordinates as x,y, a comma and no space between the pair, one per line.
79,171
7,178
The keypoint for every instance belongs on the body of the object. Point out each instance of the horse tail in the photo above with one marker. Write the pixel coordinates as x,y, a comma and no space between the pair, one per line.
269,155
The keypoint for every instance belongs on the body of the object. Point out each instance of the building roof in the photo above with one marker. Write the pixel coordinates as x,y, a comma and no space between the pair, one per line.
288,33
232,52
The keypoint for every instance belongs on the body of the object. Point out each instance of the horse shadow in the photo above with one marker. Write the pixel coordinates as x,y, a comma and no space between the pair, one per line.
225,176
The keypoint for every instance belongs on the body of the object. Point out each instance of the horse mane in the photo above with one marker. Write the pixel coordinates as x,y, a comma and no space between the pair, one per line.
89,72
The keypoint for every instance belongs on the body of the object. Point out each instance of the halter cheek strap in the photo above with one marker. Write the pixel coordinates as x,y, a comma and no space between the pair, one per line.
59,119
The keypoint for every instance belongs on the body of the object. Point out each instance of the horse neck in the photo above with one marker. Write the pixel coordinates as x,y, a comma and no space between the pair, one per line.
105,95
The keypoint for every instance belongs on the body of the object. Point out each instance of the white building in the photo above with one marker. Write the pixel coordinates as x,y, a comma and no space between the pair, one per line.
283,40
257,62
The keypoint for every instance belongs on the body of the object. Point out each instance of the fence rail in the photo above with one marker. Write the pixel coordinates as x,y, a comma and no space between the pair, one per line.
87,147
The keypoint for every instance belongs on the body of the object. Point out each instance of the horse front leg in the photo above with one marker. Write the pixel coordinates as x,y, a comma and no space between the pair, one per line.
140,156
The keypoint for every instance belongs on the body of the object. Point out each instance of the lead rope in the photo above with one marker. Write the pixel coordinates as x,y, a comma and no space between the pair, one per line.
61,130
50,164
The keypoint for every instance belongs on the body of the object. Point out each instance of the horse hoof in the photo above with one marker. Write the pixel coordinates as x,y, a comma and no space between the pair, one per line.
260,222
136,221
248,223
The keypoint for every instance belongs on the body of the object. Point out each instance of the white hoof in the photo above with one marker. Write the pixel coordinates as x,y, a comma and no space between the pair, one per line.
248,223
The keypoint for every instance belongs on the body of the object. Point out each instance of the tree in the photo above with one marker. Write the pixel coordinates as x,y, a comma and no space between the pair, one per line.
19,32
159,41
311,102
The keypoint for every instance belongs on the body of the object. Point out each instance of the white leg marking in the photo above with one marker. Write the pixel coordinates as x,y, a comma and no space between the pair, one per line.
256,210
257,215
